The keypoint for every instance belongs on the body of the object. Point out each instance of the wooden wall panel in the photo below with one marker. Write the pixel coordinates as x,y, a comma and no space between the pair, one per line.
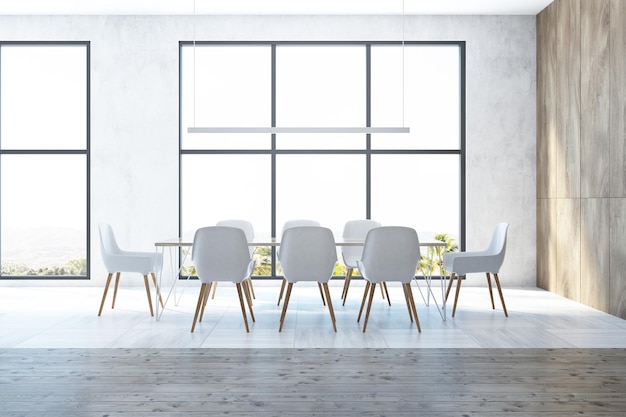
568,98
546,244
546,103
594,121
586,219
594,252
617,255
568,248
617,302
617,98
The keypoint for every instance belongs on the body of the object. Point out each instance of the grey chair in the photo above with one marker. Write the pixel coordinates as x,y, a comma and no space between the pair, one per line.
289,224
356,230
489,261
308,253
390,253
220,253
248,229
117,261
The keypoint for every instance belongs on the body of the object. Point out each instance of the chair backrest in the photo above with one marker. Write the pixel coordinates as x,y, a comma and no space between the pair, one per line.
220,253
355,229
299,222
497,245
118,260
108,246
390,253
244,225
307,253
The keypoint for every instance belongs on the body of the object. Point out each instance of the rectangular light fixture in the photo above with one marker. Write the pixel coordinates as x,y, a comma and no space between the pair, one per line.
279,130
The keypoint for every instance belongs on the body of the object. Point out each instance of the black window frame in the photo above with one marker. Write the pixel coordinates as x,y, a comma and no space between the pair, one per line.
368,151
86,152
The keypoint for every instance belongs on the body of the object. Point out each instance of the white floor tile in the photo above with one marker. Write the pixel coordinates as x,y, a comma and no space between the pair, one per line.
62,317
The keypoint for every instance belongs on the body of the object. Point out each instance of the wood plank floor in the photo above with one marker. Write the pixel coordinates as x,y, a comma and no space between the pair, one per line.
313,382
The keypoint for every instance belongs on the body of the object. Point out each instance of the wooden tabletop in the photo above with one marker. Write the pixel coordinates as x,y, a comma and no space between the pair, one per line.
273,241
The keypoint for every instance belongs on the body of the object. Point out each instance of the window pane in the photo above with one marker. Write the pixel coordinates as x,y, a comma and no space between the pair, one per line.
325,85
226,86
431,96
326,188
43,214
220,187
320,86
419,191
43,96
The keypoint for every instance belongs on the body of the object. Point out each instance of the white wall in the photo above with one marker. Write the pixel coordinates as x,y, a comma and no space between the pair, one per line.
134,114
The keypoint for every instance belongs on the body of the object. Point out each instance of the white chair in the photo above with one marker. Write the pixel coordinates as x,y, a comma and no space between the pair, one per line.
356,230
220,253
308,253
390,253
248,229
117,261
289,224
489,261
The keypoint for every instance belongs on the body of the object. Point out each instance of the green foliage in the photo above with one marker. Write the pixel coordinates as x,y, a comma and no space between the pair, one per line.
73,267
432,264
263,257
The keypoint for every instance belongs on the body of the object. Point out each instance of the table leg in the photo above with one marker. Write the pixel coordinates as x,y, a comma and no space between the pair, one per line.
429,291
158,287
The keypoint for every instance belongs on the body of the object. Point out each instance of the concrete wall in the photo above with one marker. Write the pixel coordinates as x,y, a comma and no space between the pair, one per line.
134,114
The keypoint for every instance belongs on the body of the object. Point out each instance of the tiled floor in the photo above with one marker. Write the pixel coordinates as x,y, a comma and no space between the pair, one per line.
61,317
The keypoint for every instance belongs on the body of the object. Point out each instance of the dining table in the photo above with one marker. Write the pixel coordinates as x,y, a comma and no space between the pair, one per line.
173,245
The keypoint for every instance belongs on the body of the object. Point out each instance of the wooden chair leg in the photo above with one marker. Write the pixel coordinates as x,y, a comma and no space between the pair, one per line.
156,287
251,288
452,275
117,282
145,280
246,290
203,289
493,306
104,295
369,306
346,285
406,300
205,299
243,307
321,293
495,276
214,290
282,289
367,287
285,304
412,300
383,285
330,306
456,297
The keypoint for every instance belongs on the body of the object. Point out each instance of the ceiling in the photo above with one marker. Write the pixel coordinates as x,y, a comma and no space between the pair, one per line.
279,7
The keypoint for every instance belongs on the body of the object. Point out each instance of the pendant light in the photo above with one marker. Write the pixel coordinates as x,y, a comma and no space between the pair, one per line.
279,130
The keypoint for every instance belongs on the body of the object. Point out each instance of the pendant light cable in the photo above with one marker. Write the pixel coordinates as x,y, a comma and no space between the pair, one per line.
194,63
403,63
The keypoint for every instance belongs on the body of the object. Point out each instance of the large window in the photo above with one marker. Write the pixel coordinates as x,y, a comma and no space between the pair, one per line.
44,159
414,179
